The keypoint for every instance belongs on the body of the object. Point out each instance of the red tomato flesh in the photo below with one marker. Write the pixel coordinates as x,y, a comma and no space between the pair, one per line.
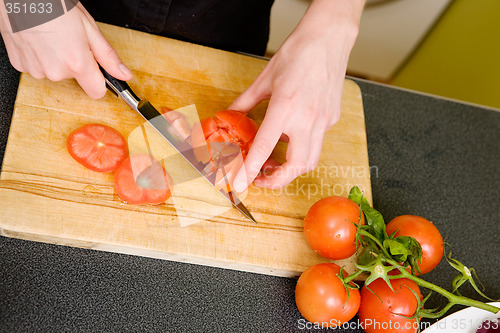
321,297
97,147
227,126
239,125
329,228
142,180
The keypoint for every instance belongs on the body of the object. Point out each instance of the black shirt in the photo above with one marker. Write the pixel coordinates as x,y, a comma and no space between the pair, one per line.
233,25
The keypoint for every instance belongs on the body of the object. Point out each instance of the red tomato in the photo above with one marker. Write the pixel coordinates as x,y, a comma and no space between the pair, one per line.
321,297
237,124
426,233
227,126
235,130
97,147
329,227
142,180
383,315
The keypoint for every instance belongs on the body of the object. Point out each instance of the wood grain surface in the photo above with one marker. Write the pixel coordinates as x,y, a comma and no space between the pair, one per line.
46,196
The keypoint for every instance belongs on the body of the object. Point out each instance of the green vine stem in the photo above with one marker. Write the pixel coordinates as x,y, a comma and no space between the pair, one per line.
452,298
352,276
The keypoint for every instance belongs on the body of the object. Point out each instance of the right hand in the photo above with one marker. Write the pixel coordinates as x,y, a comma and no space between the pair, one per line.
69,46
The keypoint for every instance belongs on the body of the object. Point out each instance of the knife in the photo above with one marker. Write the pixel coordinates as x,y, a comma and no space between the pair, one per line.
162,126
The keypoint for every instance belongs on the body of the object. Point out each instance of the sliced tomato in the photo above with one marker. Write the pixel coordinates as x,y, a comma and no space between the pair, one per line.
238,124
141,179
97,147
232,128
228,126
209,126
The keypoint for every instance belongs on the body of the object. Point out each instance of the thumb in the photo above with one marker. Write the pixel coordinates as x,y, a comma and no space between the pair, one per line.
106,56
257,92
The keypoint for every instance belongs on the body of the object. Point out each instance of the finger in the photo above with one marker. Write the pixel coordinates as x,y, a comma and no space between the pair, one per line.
257,92
31,64
266,139
267,169
105,55
296,164
302,157
91,79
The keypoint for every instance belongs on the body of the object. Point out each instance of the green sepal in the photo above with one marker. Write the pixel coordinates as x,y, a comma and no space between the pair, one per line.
465,275
397,249
367,256
372,216
413,255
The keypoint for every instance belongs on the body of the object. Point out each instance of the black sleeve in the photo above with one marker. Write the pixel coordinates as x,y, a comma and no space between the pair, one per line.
241,25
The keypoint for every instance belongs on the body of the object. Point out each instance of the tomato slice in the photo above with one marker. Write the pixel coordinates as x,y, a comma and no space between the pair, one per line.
141,179
97,147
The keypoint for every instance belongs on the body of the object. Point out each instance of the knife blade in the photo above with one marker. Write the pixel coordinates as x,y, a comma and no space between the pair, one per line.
163,127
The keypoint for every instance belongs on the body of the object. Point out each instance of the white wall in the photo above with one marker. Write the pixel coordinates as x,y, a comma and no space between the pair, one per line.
389,32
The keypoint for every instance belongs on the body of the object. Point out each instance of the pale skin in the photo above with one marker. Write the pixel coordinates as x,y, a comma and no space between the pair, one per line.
303,81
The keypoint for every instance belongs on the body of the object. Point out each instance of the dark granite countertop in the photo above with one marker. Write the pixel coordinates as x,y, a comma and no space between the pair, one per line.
431,157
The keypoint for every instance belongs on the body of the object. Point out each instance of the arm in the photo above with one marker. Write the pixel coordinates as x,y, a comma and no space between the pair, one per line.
304,82
67,47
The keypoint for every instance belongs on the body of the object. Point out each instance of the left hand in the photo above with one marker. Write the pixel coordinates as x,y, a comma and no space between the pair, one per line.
303,82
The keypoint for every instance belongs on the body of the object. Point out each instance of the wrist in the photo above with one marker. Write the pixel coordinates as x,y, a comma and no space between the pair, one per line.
333,16
4,19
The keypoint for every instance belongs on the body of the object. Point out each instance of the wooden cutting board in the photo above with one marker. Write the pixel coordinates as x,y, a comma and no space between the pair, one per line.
46,196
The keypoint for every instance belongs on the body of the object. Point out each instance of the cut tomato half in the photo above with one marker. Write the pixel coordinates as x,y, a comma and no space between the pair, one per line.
223,142
97,147
227,126
142,180
238,125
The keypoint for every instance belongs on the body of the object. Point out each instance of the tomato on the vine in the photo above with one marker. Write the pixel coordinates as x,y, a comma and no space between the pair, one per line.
321,297
426,233
330,227
383,310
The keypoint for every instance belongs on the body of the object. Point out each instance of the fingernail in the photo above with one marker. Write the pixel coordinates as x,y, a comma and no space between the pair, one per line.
239,187
125,70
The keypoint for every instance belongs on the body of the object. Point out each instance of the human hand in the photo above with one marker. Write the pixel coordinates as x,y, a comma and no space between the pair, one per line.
69,46
303,82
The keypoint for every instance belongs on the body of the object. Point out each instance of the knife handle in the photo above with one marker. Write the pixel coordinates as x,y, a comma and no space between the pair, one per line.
120,88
